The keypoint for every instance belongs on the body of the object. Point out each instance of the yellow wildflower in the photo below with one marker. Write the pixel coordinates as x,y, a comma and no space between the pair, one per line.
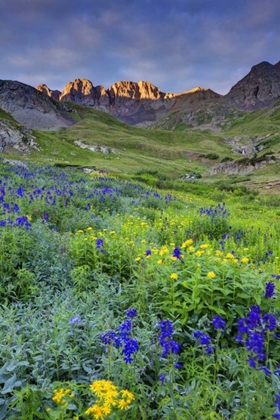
199,253
160,262
174,276
188,242
89,228
59,395
204,246
96,411
218,253
229,256
245,260
123,404
173,258
211,275
127,394
137,259
112,232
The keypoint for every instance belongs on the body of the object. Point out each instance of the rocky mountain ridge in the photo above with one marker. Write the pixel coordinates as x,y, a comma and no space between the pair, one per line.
258,89
137,102
32,108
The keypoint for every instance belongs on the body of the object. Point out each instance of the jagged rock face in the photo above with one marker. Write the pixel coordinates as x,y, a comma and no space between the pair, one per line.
122,99
80,91
54,94
260,88
127,98
31,107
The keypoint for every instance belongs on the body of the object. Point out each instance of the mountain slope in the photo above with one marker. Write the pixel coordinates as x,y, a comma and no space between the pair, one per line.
31,107
258,89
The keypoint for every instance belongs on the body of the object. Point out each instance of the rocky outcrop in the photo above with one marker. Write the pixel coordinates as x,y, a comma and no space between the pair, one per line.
14,140
130,101
31,107
259,88
54,94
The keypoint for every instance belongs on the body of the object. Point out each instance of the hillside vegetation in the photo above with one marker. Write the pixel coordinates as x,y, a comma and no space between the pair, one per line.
168,154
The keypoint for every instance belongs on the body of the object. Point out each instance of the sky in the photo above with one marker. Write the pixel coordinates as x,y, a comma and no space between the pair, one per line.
174,44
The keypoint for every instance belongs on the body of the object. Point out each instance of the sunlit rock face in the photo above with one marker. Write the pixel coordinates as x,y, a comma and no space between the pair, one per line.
54,94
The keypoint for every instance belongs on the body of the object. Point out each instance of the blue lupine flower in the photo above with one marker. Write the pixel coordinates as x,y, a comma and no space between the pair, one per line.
148,252
277,371
111,337
203,338
162,378
16,208
265,369
76,320
218,323
100,245
168,345
178,365
252,362
269,290
270,322
131,313
177,252
130,347
125,329
166,327
277,403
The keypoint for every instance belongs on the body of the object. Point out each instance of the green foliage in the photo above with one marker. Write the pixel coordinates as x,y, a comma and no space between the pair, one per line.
94,247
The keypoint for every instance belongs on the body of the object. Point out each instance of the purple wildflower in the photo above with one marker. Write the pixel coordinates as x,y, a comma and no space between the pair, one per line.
269,290
125,329
177,252
76,320
131,313
162,378
218,323
130,347
168,345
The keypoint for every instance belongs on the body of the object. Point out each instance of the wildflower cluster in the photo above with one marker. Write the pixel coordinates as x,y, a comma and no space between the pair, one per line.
212,212
123,337
61,396
165,339
277,403
252,333
204,340
108,396
269,290
219,324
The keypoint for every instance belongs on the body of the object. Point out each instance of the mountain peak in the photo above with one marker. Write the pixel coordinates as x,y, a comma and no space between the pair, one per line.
263,65
259,88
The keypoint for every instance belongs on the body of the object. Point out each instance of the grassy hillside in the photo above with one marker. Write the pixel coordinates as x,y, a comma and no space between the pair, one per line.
131,149
165,154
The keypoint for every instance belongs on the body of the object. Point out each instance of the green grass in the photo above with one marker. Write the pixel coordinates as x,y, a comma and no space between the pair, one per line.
173,152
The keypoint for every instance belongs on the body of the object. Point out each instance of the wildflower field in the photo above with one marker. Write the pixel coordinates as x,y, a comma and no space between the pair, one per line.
119,301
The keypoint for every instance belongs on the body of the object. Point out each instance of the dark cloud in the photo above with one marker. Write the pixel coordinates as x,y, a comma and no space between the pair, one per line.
175,44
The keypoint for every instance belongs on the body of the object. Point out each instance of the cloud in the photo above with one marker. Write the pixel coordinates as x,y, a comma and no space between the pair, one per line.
175,45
